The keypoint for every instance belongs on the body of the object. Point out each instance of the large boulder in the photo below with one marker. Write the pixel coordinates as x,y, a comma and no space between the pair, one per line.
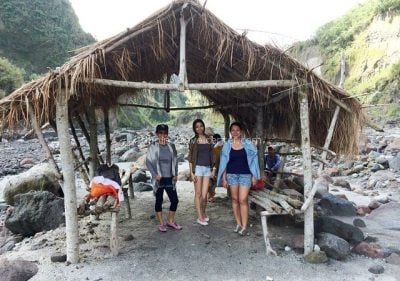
139,176
387,216
35,212
336,227
17,270
332,205
334,246
38,178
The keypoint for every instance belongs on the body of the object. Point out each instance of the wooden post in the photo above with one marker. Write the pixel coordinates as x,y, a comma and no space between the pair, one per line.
78,145
113,233
306,148
42,141
2,124
260,138
329,137
93,141
67,163
227,122
183,81
108,138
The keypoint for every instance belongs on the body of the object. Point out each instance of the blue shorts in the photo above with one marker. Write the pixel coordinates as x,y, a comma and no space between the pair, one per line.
202,171
239,179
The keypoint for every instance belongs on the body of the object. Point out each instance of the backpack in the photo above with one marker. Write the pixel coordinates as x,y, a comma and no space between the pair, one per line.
109,172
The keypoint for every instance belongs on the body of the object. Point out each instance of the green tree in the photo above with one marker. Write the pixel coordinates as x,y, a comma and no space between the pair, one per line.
11,77
39,34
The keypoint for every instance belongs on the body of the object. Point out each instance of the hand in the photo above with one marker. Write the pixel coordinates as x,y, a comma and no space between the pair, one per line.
194,178
174,178
253,181
158,178
224,183
213,174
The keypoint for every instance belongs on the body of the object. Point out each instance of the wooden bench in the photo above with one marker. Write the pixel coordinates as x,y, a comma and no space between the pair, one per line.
275,204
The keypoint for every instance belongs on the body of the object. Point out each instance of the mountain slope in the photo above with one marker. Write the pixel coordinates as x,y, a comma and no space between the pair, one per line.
39,34
369,38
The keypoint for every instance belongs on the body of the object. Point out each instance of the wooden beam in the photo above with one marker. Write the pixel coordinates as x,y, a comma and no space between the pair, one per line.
260,138
42,141
307,168
67,163
227,121
93,141
108,138
183,81
329,137
195,86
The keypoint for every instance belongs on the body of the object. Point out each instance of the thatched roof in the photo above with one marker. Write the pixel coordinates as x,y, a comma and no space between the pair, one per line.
214,53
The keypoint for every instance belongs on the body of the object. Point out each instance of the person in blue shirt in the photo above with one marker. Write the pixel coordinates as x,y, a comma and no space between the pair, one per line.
272,161
239,170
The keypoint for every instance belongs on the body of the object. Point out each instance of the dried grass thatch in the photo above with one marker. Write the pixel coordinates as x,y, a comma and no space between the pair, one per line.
214,53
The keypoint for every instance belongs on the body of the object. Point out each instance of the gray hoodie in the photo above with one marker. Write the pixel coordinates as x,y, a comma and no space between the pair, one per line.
153,163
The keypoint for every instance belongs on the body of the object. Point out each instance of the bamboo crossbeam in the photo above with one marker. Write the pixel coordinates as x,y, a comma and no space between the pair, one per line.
310,198
266,202
194,86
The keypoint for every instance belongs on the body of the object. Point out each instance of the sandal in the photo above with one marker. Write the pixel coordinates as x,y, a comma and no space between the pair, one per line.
243,232
162,228
174,226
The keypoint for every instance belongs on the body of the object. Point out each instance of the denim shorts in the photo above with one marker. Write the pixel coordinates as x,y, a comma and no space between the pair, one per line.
239,179
202,171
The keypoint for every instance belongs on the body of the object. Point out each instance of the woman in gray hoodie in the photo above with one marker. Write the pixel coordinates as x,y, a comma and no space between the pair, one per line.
162,163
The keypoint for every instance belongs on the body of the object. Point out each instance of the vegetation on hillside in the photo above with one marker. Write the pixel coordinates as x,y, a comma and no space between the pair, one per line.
37,35
346,34
11,77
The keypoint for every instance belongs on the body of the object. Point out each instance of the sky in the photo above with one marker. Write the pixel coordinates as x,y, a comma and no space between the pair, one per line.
279,22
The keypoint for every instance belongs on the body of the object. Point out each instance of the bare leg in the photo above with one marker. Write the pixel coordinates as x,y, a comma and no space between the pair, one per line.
171,217
204,191
160,218
235,203
244,205
197,196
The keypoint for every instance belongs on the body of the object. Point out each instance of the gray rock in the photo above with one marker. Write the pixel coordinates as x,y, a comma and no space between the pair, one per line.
332,205
316,257
139,176
359,222
393,259
130,155
343,183
394,163
334,246
387,215
374,204
346,231
383,161
142,187
376,269
35,212
17,270
58,257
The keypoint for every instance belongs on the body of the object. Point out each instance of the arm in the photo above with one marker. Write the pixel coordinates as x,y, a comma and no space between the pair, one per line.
149,162
277,162
175,156
190,159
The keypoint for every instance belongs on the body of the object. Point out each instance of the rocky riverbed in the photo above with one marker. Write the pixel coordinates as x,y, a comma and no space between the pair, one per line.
369,184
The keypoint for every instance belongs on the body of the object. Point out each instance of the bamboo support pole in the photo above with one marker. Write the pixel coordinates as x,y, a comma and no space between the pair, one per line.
309,199
82,171
260,138
329,137
108,137
114,244
78,145
93,141
307,168
183,81
70,201
42,141
264,223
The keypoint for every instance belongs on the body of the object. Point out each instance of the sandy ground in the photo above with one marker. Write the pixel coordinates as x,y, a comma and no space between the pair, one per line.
197,252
